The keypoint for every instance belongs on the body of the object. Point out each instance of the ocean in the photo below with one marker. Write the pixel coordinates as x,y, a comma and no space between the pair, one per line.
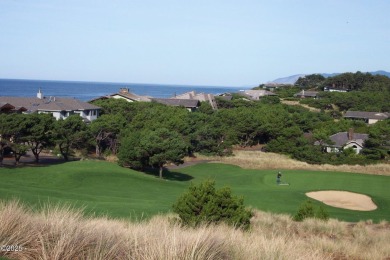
89,90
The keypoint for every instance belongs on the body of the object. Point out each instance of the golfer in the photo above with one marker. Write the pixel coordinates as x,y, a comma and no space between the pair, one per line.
278,176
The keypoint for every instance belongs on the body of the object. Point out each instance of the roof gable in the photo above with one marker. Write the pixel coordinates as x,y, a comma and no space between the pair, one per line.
4,105
342,138
131,96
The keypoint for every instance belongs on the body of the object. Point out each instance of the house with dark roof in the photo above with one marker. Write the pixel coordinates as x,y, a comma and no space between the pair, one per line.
8,108
190,104
61,108
307,94
202,97
368,117
344,140
256,94
226,96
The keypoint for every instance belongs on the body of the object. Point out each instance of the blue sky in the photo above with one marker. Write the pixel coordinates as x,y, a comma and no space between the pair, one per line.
218,42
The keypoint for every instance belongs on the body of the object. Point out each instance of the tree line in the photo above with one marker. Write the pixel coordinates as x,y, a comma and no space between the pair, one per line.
144,134
366,92
348,81
35,132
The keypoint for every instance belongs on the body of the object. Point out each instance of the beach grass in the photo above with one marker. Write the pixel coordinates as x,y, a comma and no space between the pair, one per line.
59,233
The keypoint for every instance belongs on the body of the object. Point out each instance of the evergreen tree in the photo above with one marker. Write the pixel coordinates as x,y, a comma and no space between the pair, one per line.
203,203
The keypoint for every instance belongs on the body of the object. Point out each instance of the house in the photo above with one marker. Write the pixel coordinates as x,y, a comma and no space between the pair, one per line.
8,108
271,86
344,140
190,104
226,96
125,94
202,97
61,108
368,117
257,94
332,89
307,94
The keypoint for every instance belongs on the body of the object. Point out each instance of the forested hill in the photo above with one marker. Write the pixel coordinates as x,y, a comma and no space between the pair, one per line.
290,80
347,81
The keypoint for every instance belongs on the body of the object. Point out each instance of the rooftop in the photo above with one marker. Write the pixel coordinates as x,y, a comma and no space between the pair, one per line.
33,104
342,138
367,115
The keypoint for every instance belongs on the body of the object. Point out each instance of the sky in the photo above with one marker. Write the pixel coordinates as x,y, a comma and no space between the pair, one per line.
203,42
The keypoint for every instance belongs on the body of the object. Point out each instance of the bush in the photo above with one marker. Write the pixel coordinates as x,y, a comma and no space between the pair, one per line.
203,203
322,213
308,210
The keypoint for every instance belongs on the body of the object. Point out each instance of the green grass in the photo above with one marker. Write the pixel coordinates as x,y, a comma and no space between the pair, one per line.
106,189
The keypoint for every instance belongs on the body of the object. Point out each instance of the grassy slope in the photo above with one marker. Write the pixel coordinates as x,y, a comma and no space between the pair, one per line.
105,188
259,189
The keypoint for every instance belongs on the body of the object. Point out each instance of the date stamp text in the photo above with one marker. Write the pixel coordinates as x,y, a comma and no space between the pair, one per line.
11,248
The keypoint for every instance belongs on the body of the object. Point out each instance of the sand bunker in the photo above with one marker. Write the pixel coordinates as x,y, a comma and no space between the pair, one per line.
344,199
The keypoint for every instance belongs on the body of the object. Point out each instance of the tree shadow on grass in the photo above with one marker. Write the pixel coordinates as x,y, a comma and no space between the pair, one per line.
168,175
43,162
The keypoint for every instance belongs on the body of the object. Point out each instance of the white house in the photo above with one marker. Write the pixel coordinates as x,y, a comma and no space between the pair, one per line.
332,89
61,108
125,94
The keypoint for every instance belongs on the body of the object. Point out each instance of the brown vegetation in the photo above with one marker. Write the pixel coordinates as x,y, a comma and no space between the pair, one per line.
296,103
266,161
63,233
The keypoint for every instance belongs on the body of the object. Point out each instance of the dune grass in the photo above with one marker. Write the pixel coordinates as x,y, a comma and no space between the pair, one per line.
64,233
103,188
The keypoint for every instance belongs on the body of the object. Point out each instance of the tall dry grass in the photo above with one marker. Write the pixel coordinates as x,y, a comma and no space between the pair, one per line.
265,161
63,233
296,103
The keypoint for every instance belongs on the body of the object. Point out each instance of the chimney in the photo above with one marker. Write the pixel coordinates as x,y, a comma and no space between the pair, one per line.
350,134
40,94
123,90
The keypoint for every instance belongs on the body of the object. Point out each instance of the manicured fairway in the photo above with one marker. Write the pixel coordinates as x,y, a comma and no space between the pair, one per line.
105,188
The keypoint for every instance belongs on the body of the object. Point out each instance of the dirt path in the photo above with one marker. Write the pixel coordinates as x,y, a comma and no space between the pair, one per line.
296,103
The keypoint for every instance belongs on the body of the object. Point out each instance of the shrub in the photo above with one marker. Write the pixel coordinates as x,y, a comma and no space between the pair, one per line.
321,213
203,203
308,210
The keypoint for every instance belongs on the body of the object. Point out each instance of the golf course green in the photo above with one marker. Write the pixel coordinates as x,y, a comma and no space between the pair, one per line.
104,188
